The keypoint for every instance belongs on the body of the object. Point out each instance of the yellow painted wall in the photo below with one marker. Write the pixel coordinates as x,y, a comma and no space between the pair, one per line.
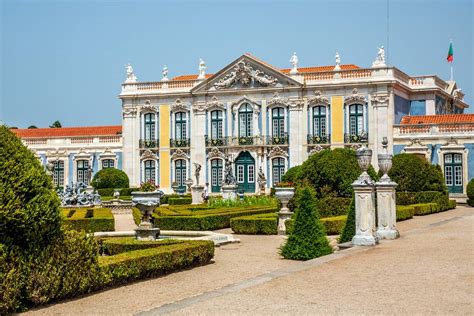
337,119
165,146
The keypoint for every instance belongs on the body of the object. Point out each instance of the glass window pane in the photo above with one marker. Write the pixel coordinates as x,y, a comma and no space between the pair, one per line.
251,175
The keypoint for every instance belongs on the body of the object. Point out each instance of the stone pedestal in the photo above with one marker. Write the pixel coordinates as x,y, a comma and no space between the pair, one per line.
147,232
229,191
196,193
89,189
386,210
283,216
365,215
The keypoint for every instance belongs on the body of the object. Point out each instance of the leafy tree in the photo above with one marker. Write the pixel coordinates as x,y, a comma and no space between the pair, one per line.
350,227
308,239
32,127
29,207
110,178
56,124
292,174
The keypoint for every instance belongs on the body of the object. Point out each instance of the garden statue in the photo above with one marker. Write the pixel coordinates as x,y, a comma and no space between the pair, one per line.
294,64
202,69
76,195
131,78
338,61
165,74
380,59
89,175
229,177
261,180
197,171
49,168
197,190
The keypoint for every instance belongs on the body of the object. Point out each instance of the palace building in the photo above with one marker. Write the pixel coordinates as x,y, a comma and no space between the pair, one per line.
268,119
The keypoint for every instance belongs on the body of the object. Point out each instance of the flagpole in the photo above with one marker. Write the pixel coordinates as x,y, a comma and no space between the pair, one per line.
452,76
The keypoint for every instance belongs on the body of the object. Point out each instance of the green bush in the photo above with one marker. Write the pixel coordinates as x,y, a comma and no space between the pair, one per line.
29,207
331,172
110,178
217,202
404,212
137,216
261,224
164,199
470,192
333,225
414,174
292,174
452,204
102,220
180,201
333,206
308,239
409,198
115,245
152,262
425,208
350,228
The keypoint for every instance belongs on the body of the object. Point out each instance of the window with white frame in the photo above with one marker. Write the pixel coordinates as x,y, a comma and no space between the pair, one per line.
356,119
180,126
108,163
245,120
82,171
150,126
278,122
58,173
319,121
149,171
216,124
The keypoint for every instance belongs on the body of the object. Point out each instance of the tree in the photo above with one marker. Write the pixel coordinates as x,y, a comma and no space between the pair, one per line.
56,124
350,227
110,178
292,174
32,127
308,239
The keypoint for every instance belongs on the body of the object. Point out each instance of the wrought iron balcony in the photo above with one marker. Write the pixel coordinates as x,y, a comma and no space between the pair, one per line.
149,143
356,138
245,140
316,139
278,140
216,142
179,143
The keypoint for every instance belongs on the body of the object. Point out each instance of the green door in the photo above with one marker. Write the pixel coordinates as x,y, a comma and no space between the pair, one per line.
180,174
453,172
245,172
216,175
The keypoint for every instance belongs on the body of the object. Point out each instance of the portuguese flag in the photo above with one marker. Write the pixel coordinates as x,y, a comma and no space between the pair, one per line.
450,53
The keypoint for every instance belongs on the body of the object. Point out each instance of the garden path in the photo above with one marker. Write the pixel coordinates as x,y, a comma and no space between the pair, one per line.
124,221
428,270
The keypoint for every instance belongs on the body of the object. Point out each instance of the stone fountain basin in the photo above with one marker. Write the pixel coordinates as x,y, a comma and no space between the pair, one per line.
217,238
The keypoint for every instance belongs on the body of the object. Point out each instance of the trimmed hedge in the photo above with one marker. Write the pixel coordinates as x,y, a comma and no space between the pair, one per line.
405,212
164,199
179,201
334,225
333,206
102,220
470,192
210,219
152,262
261,224
115,245
410,198
452,204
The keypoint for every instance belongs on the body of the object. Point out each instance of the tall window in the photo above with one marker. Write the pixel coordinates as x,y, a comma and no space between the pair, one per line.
216,175
108,163
180,124
150,126
356,119
278,168
180,173
216,124
245,120
150,171
58,173
278,122
319,121
82,170
453,172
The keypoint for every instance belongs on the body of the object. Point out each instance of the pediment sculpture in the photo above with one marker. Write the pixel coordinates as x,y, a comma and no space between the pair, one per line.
245,75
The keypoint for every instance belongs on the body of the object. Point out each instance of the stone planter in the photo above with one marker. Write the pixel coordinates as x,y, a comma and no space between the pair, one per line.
229,191
146,202
284,195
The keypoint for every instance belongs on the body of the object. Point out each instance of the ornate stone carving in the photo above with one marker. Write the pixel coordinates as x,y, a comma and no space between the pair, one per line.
316,149
179,106
55,153
379,99
199,107
277,100
148,154
355,98
318,99
215,153
380,59
131,78
129,112
214,104
179,154
148,107
245,75
297,105
107,153
277,151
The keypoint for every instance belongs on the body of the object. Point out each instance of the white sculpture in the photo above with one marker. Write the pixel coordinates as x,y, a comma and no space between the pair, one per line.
165,73
130,75
338,61
380,60
202,69
294,63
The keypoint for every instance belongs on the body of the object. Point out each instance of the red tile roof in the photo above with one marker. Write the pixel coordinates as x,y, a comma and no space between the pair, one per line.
437,119
69,131
190,77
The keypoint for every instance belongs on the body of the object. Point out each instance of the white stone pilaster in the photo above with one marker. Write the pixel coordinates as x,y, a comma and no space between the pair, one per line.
295,134
198,144
365,215
131,135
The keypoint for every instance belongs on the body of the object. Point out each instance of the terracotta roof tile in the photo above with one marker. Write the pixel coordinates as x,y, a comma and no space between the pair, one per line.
437,119
190,77
69,131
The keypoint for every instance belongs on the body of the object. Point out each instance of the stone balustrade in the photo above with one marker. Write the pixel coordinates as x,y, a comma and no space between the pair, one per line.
430,130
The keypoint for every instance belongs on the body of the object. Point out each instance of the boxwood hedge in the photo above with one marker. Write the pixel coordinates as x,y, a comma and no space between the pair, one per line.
102,220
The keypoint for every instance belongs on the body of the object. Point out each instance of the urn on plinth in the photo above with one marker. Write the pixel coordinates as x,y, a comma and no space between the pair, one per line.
364,157
146,202
284,195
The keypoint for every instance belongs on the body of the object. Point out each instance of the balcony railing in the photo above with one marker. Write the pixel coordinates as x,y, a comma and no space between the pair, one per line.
316,139
216,142
356,138
149,143
179,143
247,141
448,129
278,140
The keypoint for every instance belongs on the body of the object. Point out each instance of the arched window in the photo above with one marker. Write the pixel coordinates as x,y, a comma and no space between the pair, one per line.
58,173
216,124
180,174
319,121
278,168
150,126
82,170
278,122
108,163
245,120
150,171
356,119
180,124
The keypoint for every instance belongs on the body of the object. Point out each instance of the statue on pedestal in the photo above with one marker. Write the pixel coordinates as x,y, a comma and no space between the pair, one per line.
165,74
202,69
261,180
380,60
197,172
229,178
131,78
338,61
294,63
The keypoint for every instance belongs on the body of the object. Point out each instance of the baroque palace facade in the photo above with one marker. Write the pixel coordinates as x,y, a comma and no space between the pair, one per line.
267,119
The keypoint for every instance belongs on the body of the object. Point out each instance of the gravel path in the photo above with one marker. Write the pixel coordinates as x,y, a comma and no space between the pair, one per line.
427,271
124,222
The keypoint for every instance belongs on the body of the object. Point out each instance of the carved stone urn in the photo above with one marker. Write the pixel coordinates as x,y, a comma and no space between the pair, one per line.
146,202
385,161
364,157
284,195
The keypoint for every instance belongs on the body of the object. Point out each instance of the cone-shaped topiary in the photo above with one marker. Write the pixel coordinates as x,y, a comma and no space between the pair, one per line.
29,207
308,239
350,228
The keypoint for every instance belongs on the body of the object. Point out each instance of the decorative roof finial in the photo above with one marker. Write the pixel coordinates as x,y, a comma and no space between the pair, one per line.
294,64
131,78
202,69
165,73
380,60
338,62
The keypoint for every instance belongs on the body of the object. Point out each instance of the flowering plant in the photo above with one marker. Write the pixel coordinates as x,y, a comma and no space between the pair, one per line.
284,184
149,186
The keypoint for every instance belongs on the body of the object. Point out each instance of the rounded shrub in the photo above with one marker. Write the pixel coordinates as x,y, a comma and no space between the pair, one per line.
292,174
308,239
470,189
414,174
110,178
29,207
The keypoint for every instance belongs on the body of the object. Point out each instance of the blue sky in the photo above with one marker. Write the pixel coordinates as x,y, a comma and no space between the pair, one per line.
64,60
